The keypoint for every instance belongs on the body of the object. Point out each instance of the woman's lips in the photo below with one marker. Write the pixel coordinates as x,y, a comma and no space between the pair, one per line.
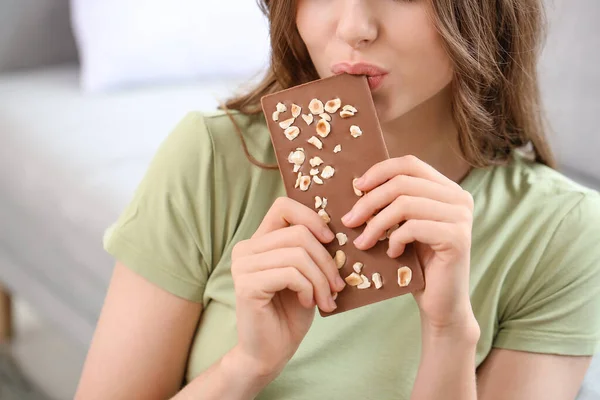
375,82
375,75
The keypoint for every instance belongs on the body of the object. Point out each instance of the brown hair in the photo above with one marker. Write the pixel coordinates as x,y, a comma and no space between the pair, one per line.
494,46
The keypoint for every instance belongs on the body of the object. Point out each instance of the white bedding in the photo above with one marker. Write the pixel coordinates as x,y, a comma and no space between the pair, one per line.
69,163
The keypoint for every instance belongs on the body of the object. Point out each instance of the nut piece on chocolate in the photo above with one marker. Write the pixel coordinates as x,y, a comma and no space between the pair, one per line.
377,280
348,111
292,132
346,114
315,142
316,161
317,180
365,283
325,116
318,202
316,107
356,191
357,267
404,276
324,202
323,214
342,238
296,110
348,107
355,131
337,148
354,279
328,172
287,123
333,105
314,171
297,157
281,108
308,118
276,116
340,259
323,128
304,183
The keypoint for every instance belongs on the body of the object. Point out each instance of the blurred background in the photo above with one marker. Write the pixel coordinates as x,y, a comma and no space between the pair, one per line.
90,88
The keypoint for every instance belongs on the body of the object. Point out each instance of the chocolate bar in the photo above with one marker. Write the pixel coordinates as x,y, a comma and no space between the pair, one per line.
326,134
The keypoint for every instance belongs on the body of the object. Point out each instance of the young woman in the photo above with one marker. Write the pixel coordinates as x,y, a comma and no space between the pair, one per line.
218,274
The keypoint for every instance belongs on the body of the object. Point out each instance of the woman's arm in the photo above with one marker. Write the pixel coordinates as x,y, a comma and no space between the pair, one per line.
447,367
141,346
141,343
517,375
421,205
437,214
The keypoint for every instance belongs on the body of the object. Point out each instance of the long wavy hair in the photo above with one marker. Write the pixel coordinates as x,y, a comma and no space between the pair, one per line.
494,46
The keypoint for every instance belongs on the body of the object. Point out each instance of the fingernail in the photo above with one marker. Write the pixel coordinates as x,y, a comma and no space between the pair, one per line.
347,217
328,234
359,240
340,282
332,303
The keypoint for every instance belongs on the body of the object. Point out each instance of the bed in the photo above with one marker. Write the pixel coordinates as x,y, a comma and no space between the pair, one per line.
69,163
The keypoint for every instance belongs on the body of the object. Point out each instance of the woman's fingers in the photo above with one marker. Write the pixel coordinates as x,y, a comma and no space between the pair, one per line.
285,212
440,236
406,208
290,235
264,284
407,165
296,236
400,185
295,257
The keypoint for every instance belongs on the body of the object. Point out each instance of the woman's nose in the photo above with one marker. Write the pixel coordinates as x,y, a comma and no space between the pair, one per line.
357,25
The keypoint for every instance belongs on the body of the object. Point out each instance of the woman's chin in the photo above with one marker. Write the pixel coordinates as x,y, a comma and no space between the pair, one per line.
387,113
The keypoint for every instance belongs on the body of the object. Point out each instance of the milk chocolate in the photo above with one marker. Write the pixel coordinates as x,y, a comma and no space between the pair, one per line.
350,152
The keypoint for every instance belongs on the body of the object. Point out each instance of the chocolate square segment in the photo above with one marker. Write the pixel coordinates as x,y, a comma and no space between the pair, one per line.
348,145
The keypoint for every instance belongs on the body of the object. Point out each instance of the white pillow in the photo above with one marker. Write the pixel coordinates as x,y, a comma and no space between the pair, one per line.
130,42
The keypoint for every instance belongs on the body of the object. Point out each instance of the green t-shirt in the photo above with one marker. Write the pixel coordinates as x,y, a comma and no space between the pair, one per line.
535,263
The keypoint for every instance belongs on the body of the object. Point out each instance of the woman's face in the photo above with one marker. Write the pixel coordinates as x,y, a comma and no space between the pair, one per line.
393,41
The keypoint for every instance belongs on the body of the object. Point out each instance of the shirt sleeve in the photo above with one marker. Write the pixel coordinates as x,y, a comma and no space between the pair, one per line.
164,232
559,311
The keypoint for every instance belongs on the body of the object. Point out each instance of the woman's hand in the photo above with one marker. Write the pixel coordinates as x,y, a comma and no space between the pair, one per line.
433,211
280,274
